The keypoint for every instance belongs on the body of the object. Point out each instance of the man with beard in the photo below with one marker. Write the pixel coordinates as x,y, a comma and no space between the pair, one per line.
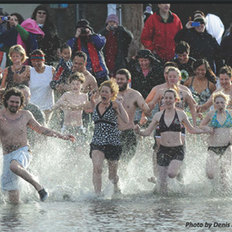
13,134
131,100
92,44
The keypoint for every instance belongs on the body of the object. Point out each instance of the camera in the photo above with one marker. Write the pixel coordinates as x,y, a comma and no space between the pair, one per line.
83,31
5,18
111,28
195,24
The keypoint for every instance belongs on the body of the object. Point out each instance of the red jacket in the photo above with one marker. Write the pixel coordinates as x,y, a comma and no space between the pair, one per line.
159,36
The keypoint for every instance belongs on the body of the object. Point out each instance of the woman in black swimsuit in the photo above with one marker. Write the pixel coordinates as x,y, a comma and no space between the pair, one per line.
171,153
106,139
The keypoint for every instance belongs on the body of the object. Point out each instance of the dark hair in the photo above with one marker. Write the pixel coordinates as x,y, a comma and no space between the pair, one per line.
171,91
182,47
41,7
13,92
77,76
37,52
125,72
209,72
171,64
226,70
64,46
81,54
18,16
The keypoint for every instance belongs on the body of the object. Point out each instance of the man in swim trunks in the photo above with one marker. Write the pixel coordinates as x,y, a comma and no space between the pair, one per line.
13,134
131,100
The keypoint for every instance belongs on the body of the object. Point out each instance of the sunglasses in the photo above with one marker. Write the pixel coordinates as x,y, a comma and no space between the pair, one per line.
41,12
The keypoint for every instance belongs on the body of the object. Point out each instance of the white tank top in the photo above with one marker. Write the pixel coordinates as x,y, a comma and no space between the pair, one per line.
41,93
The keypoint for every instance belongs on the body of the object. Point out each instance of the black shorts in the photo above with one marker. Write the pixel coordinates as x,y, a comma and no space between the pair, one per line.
129,143
166,154
111,152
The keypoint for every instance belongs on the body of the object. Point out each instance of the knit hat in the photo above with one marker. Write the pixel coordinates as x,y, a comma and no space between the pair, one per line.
145,53
112,17
84,23
199,18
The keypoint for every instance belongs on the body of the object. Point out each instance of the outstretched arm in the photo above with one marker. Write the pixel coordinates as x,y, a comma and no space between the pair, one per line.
34,125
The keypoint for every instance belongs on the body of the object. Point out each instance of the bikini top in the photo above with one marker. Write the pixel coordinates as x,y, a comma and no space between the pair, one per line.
227,123
174,126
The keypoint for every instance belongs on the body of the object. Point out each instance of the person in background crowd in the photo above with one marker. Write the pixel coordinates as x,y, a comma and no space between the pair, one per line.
118,39
9,37
226,48
146,72
60,80
159,32
225,74
183,60
148,12
33,137
17,73
202,44
50,43
202,83
91,44
41,75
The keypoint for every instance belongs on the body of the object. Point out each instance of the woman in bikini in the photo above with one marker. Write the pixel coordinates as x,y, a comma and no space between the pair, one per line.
106,138
171,151
219,142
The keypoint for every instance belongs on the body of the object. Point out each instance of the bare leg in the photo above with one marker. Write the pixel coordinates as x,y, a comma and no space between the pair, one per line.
48,115
13,196
17,169
162,179
174,168
211,165
113,177
97,160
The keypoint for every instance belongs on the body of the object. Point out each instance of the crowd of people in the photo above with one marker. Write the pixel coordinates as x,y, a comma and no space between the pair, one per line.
180,71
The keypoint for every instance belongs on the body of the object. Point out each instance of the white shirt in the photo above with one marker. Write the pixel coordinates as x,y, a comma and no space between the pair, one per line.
41,93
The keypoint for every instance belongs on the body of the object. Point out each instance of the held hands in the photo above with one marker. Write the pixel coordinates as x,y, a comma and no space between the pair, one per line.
69,137
143,120
137,129
189,25
78,32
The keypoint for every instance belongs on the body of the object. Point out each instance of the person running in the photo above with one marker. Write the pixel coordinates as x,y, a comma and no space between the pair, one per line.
13,135
132,99
219,142
171,151
106,138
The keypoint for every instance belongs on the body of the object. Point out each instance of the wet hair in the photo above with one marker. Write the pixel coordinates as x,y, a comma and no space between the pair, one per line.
113,87
176,96
221,94
182,47
125,72
226,70
13,92
65,46
77,76
209,72
175,70
18,49
81,54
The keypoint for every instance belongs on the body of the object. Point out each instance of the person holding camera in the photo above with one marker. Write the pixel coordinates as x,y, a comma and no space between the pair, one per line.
203,45
118,39
92,44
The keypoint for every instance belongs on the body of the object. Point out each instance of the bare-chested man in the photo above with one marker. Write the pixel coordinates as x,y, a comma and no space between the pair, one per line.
13,134
131,100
